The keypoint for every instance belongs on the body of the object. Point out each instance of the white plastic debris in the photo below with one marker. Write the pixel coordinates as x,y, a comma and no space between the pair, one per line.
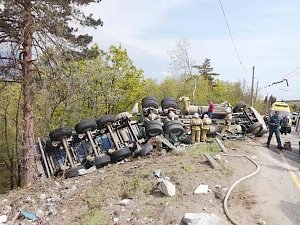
125,202
3,218
43,196
203,219
89,170
167,188
157,173
202,189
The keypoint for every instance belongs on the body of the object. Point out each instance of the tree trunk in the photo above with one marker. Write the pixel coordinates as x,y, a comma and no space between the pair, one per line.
28,169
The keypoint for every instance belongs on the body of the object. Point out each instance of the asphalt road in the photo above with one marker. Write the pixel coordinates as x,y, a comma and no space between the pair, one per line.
276,186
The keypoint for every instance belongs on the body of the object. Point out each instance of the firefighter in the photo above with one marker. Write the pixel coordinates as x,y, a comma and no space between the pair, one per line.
196,125
205,128
228,120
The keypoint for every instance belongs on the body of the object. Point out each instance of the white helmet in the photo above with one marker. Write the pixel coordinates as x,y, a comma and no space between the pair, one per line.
196,115
205,116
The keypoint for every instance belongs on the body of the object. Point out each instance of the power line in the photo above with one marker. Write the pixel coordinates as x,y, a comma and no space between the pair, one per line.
231,37
294,70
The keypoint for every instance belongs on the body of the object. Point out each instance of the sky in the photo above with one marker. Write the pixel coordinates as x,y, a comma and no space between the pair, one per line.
266,34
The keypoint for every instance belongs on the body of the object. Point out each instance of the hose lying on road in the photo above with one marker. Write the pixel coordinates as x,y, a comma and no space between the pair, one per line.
231,188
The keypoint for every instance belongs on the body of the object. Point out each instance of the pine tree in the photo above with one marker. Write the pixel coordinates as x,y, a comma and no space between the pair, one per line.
27,29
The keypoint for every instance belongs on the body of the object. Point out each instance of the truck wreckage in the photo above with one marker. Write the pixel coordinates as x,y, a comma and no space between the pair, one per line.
110,139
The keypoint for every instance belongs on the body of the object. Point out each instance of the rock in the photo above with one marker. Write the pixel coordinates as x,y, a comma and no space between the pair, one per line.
73,188
202,189
203,219
217,157
7,209
115,219
261,222
3,218
167,188
220,193
39,213
29,200
157,173
43,196
125,202
53,211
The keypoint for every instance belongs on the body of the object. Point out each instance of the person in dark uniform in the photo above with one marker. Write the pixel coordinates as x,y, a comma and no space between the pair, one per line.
274,126
284,125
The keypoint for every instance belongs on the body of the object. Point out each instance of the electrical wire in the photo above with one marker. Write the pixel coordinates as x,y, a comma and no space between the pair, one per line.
290,73
283,89
231,37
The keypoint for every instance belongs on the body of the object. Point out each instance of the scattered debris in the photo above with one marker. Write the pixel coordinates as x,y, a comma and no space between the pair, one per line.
217,157
116,220
212,162
220,193
86,171
157,173
3,218
261,222
164,141
203,219
125,202
167,188
202,189
221,145
29,215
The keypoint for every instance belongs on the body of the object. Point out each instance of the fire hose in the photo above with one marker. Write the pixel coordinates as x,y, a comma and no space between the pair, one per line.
238,181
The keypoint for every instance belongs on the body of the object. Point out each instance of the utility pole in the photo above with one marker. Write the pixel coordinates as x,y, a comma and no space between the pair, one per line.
252,87
256,91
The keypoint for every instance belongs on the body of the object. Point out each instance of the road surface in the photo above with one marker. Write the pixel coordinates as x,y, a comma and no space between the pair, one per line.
276,187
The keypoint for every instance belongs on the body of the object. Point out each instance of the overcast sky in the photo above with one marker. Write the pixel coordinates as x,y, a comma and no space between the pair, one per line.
266,34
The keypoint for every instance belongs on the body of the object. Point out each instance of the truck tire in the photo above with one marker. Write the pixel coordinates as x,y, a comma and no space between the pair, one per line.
60,133
169,102
153,128
120,154
174,127
255,128
85,126
150,103
105,121
238,108
73,172
149,98
102,161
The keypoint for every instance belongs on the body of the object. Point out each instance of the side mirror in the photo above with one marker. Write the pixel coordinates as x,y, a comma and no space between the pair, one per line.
135,108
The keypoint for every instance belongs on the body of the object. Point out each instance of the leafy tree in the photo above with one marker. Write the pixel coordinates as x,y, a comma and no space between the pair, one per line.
127,81
26,28
181,61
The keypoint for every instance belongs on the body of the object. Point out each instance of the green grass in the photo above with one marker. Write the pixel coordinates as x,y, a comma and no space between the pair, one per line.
211,148
92,217
135,186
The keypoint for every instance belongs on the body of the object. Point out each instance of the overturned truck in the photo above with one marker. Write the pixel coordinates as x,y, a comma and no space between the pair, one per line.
95,143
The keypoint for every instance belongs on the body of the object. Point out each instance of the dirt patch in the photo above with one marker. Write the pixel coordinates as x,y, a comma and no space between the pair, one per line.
94,198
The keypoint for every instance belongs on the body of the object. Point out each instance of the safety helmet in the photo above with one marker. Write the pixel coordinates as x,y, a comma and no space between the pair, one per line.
205,116
196,115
